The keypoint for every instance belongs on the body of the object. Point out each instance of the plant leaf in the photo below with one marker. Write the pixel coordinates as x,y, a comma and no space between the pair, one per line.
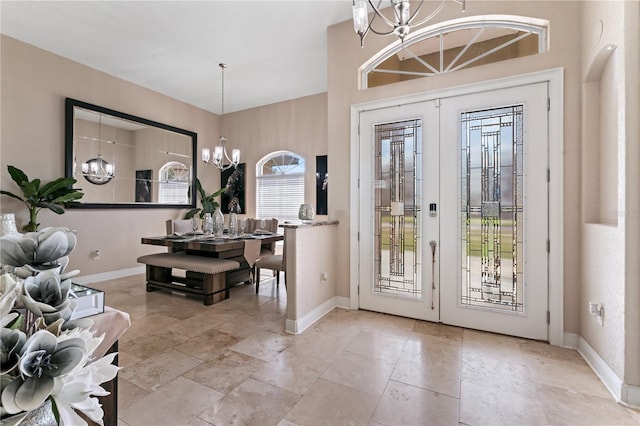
68,197
11,195
200,190
30,189
53,207
191,213
54,185
18,175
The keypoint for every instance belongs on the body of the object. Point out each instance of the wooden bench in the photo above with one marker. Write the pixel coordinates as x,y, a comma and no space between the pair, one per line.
205,276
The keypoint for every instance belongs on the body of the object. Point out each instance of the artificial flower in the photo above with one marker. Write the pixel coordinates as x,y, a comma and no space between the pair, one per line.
36,248
11,344
46,359
48,297
9,292
77,390
42,359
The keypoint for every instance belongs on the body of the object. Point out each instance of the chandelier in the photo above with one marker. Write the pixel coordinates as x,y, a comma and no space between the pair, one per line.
220,151
97,170
400,24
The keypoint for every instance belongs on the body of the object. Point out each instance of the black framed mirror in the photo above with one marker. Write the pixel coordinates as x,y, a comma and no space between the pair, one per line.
120,160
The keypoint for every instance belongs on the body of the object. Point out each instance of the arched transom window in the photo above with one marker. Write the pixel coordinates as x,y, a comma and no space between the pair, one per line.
454,45
280,185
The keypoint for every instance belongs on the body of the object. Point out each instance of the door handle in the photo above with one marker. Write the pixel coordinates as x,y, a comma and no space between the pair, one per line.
433,244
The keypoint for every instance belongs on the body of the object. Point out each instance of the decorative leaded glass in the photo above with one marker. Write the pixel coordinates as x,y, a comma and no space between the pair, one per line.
492,200
398,181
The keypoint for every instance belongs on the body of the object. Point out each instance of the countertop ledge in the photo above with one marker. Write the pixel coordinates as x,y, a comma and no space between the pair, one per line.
296,225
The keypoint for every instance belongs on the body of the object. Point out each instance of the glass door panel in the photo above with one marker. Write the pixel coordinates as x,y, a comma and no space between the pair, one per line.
397,209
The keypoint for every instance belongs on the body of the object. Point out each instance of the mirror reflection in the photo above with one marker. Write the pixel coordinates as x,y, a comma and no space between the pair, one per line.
121,160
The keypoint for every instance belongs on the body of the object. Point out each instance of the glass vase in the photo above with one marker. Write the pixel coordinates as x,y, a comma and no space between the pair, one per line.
208,225
8,224
306,213
218,223
233,224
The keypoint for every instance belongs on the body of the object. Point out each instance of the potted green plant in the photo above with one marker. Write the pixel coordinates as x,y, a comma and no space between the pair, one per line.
54,195
209,204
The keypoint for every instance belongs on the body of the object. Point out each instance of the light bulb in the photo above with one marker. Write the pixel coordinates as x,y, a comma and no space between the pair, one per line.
217,154
360,16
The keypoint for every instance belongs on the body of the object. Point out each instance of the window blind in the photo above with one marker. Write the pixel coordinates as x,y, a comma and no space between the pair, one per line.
280,196
173,192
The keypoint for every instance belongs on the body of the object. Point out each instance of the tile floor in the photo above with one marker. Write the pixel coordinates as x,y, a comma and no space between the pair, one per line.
232,364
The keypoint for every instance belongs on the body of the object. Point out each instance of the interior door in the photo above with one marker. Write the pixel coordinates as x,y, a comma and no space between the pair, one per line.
398,180
494,270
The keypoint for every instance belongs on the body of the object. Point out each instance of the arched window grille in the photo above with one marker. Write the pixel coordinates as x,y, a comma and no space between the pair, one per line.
455,45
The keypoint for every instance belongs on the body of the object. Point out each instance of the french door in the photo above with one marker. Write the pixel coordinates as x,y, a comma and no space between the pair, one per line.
453,210
398,177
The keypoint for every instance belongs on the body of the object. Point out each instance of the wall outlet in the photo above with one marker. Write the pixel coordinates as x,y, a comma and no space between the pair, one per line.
600,316
323,276
597,310
95,255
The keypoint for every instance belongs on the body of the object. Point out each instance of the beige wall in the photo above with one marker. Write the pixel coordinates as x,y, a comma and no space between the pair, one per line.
632,195
610,163
309,254
34,86
28,93
298,125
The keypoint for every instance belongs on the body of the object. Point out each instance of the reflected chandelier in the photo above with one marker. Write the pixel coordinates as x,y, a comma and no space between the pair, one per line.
400,24
220,151
97,170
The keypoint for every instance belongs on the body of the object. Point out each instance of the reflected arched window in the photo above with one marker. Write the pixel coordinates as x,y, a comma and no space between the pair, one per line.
173,183
455,45
280,185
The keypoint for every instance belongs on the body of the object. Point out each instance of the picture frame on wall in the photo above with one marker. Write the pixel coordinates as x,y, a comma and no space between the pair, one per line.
322,185
232,199
143,186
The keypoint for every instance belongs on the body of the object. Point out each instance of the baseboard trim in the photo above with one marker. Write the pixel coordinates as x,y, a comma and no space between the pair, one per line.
104,276
630,396
343,302
571,340
301,324
623,393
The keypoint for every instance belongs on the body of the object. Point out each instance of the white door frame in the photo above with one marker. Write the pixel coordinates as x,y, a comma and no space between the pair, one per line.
554,77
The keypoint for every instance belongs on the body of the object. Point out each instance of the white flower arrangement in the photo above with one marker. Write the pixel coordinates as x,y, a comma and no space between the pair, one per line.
44,355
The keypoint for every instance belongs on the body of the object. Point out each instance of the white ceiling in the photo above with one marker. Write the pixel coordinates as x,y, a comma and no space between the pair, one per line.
275,50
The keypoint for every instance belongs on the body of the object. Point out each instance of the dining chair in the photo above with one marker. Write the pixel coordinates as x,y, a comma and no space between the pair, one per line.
179,226
275,262
271,225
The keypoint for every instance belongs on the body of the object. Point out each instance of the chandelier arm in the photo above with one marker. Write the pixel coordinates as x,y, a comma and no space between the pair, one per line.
430,16
224,150
379,32
415,13
380,14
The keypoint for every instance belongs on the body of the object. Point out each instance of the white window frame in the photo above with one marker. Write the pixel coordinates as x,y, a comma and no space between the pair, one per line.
527,25
285,188
173,191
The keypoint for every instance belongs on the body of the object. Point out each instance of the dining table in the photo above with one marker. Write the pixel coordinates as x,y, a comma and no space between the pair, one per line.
244,248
